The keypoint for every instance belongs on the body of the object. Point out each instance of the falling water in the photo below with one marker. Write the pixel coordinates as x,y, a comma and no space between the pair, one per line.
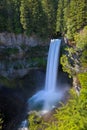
50,95
51,75
52,65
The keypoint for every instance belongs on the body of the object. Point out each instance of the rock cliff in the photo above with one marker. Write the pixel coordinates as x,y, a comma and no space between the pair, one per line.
18,53
14,40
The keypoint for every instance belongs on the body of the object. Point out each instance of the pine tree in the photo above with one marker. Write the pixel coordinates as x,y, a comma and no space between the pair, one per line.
10,16
60,16
33,17
50,7
66,13
17,24
76,17
3,15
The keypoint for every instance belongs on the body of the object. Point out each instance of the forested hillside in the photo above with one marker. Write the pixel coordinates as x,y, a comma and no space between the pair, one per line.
43,18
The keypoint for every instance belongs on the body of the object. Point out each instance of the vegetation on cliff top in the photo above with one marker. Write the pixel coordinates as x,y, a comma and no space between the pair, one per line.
43,18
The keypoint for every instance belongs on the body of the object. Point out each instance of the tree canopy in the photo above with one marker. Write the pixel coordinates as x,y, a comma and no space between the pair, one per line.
43,18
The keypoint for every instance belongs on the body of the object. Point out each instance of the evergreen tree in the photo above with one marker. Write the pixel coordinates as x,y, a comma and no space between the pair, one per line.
50,7
60,15
76,17
33,17
3,15
65,13
17,24
24,13
10,16
13,16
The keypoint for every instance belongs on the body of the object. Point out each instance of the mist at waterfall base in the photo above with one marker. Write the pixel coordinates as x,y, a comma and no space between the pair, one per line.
46,99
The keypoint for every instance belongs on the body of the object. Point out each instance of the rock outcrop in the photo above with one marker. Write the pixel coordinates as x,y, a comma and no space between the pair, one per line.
15,40
16,54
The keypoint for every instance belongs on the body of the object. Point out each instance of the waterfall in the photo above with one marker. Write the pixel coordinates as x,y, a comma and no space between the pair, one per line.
50,95
48,98
52,65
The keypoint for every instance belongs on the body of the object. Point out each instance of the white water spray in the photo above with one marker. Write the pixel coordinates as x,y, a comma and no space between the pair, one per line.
49,96
52,65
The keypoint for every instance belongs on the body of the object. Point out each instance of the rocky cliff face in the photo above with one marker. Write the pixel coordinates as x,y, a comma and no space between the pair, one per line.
16,53
14,40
